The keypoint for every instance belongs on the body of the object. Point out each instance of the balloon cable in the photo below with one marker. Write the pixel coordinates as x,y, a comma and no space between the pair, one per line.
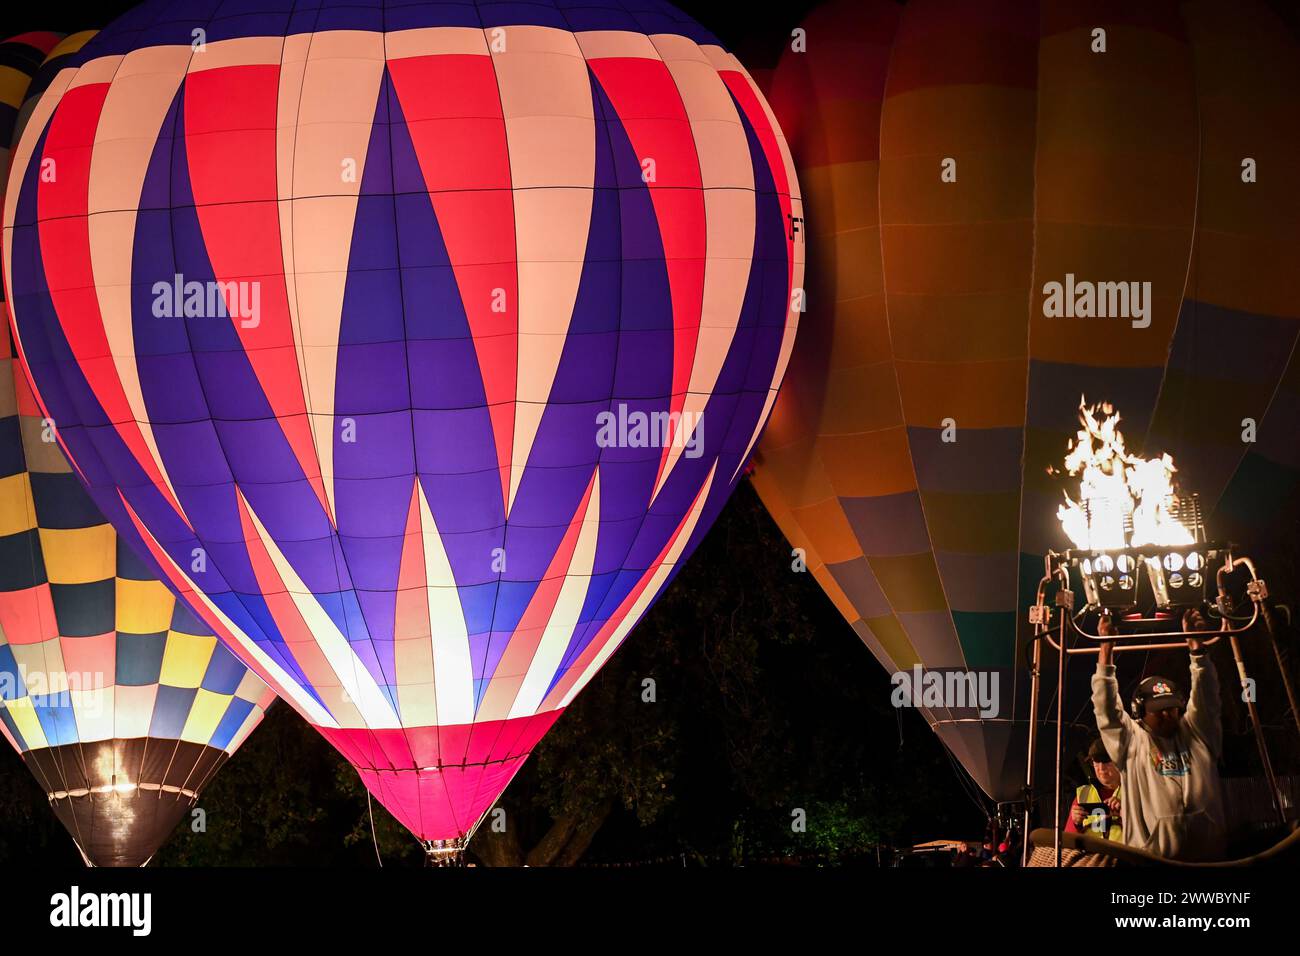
374,838
967,783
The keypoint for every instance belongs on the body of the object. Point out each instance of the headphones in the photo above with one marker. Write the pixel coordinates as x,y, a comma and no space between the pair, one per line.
1137,707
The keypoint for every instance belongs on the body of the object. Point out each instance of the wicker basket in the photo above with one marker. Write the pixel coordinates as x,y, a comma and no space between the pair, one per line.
1046,856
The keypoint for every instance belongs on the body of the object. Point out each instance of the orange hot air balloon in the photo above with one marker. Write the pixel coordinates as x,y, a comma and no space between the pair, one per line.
974,171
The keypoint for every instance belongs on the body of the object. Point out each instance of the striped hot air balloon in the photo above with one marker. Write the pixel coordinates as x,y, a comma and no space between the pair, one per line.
502,301
121,702
957,159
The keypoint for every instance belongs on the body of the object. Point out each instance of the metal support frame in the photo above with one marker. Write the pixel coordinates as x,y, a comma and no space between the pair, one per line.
1056,567
1258,592
1060,730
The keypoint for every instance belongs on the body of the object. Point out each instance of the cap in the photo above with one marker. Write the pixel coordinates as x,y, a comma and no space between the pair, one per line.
1158,693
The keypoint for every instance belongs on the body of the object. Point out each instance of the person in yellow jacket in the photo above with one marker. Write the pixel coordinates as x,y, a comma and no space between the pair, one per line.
1096,807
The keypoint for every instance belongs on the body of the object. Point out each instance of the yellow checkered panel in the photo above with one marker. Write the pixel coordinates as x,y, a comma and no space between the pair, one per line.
97,655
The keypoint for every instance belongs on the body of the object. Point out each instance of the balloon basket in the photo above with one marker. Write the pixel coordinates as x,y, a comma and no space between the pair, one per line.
444,852
1070,633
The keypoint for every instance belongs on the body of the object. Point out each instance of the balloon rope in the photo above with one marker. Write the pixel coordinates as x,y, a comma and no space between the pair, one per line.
373,837
474,829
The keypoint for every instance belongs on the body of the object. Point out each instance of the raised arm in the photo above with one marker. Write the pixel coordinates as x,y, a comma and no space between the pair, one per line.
1116,727
1203,708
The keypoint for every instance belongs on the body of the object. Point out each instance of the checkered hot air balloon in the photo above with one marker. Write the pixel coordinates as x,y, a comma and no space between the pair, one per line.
504,299
121,702
957,157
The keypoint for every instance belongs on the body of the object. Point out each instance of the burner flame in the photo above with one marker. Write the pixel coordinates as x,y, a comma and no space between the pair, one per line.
1118,491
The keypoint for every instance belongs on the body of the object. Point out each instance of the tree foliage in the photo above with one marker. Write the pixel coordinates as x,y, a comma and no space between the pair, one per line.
741,698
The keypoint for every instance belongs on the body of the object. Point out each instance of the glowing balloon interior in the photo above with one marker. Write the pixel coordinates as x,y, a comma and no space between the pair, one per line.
363,323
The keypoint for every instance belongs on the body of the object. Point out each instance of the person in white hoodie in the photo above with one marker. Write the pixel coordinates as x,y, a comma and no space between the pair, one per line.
1167,752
